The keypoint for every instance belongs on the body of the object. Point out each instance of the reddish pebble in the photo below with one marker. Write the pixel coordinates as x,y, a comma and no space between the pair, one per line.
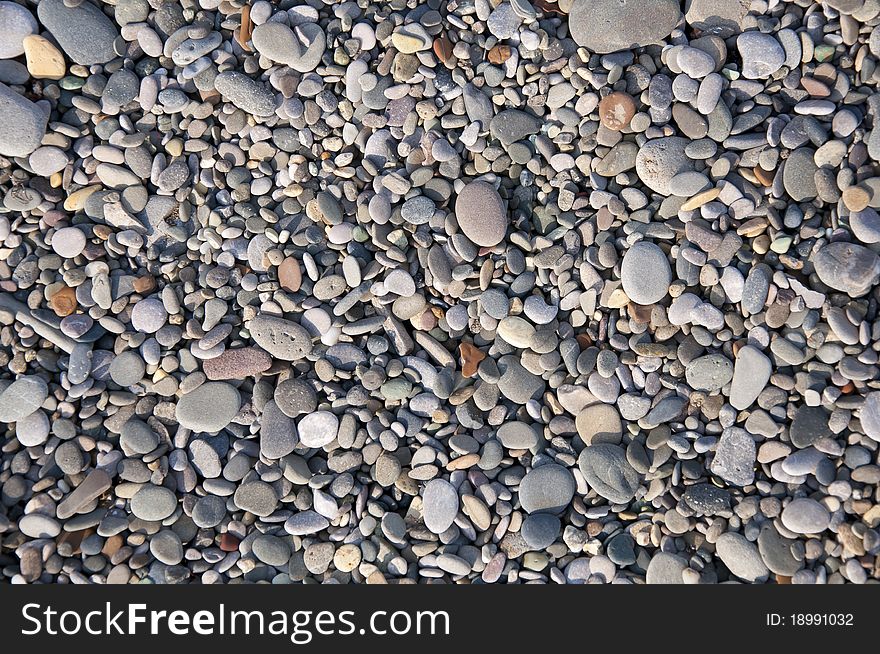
228,542
237,364
290,275
616,110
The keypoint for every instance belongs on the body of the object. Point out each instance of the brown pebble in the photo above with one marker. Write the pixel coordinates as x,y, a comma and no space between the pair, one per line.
499,54
112,545
290,275
584,340
243,34
815,88
856,198
764,176
548,7
144,284
640,313
228,542
470,359
240,363
616,110
63,303
443,48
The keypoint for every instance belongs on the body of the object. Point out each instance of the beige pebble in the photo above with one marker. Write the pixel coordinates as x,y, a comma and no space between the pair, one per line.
44,60
347,558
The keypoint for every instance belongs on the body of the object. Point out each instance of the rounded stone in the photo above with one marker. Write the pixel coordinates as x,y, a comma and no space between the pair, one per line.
440,505
318,429
148,316
805,516
283,339
869,416
153,503
127,369
847,267
709,373
605,26
665,568
83,31
167,547
208,408
37,525
22,398
481,214
209,511
540,530
517,435
137,437
616,110
33,429
548,488
295,397
645,273
16,22
761,54
599,423
659,160
741,557
256,497
607,471
271,550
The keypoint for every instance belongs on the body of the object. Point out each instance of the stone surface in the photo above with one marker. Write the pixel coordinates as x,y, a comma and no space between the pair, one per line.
735,456
83,31
208,408
481,214
23,126
608,472
609,25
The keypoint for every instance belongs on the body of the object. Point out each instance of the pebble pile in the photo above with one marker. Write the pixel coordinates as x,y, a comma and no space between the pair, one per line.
440,291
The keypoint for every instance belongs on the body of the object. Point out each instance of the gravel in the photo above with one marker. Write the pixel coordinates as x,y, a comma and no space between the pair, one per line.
513,292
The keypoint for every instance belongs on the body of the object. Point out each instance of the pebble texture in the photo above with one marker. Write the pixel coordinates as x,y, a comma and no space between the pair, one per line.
471,292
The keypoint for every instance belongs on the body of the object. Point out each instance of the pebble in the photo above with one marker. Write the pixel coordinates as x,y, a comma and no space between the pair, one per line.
282,339
246,93
805,516
605,26
318,429
24,124
616,110
16,23
607,471
209,408
645,273
709,373
153,503
751,372
22,397
735,456
68,242
659,160
847,267
501,292
741,557
481,214
256,497
127,369
761,54
548,488
439,505
83,31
